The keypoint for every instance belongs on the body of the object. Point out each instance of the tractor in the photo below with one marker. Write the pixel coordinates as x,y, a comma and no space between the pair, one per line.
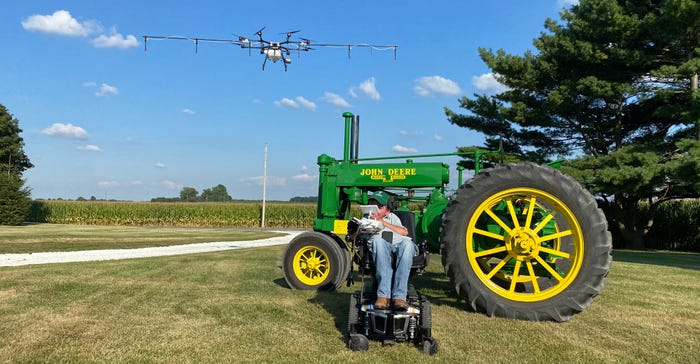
520,241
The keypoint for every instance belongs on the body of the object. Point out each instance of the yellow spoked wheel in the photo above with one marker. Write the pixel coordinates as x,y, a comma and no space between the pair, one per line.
525,241
311,265
314,260
524,244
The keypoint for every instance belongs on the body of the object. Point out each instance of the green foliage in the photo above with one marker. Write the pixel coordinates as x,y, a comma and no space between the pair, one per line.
217,193
615,83
12,157
14,199
189,194
312,199
676,227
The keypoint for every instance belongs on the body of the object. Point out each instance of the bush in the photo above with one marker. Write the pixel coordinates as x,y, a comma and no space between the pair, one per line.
676,227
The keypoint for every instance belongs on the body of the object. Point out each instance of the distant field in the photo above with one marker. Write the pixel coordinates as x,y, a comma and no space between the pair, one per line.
234,306
190,214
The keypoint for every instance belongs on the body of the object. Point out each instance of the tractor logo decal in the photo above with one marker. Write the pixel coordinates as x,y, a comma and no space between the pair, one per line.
388,175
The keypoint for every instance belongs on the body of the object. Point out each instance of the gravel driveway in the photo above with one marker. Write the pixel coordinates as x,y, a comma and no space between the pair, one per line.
13,260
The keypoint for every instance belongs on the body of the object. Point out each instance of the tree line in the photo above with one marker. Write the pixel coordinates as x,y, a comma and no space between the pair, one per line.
217,193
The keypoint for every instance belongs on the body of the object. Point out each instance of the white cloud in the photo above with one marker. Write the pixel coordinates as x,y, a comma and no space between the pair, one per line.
410,133
136,183
304,168
61,22
188,111
66,131
305,103
159,165
298,102
368,88
401,149
90,148
437,137
430,85
108,184
304,177
488,84
115,40
170,185
106,90
271,181
335,100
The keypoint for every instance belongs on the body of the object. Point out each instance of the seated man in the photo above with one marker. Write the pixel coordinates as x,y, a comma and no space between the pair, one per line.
400,245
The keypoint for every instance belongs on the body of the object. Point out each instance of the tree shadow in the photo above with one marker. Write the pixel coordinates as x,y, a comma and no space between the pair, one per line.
663,258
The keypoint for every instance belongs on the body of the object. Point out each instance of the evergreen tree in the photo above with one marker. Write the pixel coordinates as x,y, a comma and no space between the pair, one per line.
14,198
12,157
616,84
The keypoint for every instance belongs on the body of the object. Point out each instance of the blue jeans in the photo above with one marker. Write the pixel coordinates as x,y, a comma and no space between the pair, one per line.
382,252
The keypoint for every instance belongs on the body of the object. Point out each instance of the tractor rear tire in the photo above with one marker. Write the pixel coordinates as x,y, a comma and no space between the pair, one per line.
541,264
313,260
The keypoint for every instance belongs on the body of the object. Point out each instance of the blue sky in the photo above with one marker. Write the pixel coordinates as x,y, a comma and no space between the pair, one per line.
103,118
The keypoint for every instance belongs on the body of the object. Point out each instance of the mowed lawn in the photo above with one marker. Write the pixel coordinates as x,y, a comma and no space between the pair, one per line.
34,238
234,306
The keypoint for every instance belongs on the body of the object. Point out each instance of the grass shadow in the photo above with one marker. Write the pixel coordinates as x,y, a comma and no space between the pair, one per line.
439,290
662,258
335,303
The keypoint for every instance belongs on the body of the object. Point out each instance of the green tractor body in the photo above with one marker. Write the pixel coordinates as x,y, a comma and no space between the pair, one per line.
521,241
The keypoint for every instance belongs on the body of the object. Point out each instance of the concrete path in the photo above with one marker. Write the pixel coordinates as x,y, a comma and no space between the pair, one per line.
13,260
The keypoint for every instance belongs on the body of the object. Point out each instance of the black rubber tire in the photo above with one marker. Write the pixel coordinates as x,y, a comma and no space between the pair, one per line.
353,314
426,319
430,346
334,262
595,239
358,342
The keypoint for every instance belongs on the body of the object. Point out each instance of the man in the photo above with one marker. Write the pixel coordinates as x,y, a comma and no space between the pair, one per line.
391,240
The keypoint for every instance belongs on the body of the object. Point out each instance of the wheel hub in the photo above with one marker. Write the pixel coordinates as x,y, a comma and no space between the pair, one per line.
522,244
313,263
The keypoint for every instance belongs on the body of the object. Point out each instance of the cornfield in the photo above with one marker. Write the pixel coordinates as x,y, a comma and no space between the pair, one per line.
229,214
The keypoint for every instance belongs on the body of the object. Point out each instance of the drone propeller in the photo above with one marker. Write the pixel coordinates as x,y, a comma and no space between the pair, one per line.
259,32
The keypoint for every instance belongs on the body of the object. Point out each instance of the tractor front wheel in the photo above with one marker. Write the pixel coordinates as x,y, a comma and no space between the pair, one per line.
525,241
314,260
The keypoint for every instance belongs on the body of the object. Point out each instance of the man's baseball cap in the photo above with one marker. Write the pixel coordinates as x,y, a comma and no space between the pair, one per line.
381,197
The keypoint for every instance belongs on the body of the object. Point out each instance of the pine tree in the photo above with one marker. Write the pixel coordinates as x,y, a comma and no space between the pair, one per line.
14,198
615,83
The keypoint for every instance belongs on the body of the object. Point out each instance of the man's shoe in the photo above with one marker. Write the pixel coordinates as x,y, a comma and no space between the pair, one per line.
382,303
400,305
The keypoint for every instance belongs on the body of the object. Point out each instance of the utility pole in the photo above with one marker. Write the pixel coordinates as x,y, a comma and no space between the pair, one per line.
262,221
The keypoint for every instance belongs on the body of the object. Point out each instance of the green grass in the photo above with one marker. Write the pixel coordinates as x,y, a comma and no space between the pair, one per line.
36,238
234,306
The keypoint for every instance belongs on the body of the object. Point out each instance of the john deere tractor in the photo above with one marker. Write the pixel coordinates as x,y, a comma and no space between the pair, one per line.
521,240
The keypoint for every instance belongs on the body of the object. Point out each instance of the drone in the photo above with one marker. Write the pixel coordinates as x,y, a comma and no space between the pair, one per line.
273,51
